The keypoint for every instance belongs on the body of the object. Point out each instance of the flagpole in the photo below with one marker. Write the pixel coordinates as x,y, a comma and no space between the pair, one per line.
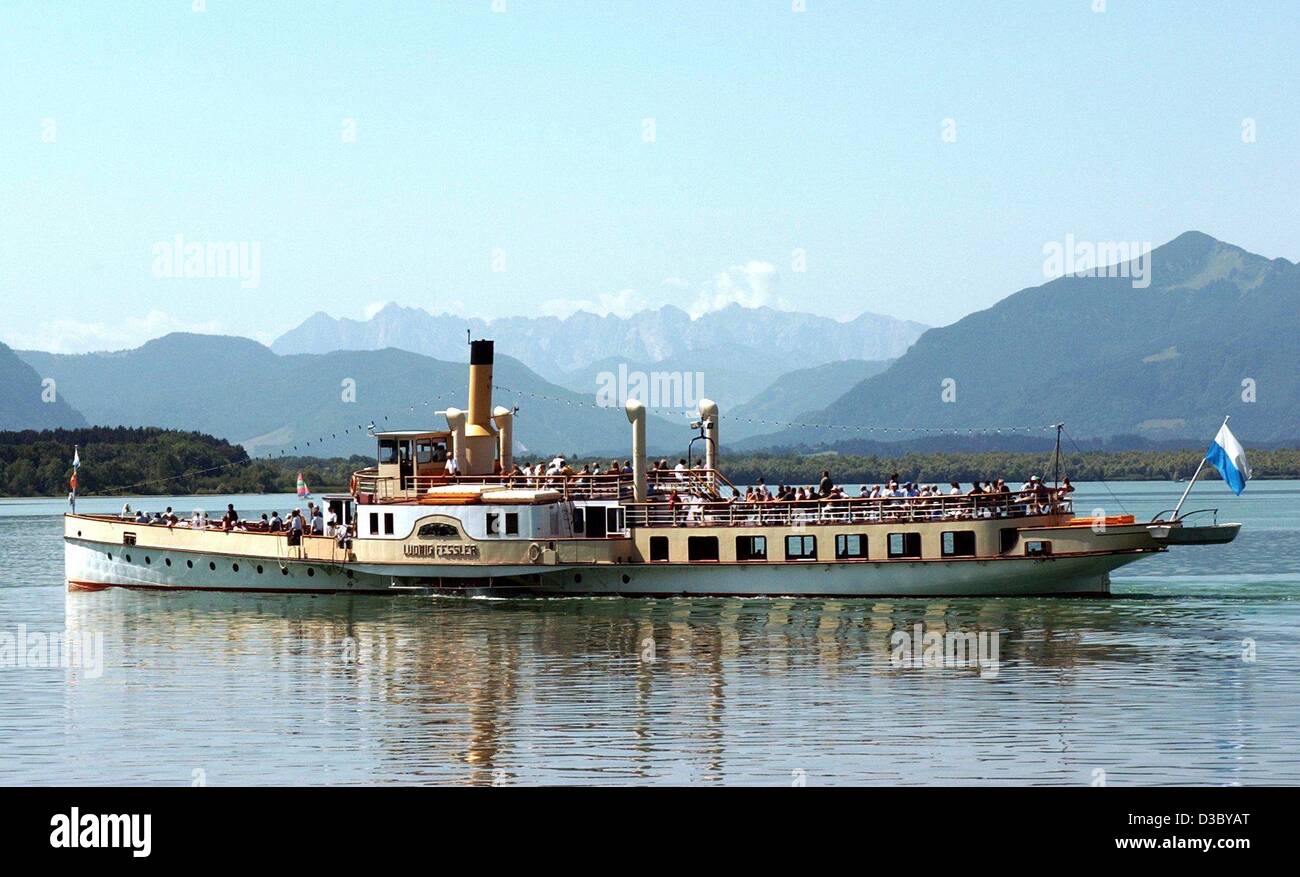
1194,477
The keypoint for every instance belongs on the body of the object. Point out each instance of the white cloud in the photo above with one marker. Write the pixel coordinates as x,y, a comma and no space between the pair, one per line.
75,336
751,285
623,303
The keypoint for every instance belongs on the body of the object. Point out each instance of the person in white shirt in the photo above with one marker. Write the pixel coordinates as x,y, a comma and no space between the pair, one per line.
452,468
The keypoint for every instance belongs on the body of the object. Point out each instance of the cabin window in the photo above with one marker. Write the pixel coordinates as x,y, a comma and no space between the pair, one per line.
512,523
658,548
494,523
614,514
1037,548
388,524
702,548
437,531
958,543
424,451
579,521
1007,539
374,523
800,547
751,548
904,544
850,546
387,451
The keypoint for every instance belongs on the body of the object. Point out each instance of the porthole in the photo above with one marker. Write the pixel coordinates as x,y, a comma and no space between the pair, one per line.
626,579
284,571
310,571
109,555
212,564
577,579
167,560
147,560
190,564
259,569
128,558
235,567
78,534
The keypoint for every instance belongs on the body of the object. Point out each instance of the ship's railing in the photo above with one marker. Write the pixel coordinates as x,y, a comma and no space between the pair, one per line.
848,510
659,482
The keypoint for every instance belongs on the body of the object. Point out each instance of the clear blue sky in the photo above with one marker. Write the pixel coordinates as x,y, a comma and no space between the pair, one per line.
523,131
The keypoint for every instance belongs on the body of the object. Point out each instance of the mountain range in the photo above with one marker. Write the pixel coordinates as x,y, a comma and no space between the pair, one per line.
737,350
239,390
1214,334
26,402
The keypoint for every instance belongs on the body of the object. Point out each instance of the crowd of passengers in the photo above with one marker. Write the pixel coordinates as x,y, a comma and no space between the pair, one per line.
315,521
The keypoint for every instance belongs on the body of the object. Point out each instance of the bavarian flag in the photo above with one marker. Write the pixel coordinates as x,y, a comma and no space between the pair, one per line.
1228,456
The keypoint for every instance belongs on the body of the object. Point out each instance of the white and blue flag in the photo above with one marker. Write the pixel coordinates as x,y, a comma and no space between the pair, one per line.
1228,456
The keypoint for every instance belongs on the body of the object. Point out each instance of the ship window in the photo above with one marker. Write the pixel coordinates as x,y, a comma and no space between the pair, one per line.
374,523
1037,548
388,524
800,547
494,523
388,450
437,531
702,548
658,548
1007,538
512,523
958,543
904,544
128,538
579,525
850,546
615,518
751,548
424,451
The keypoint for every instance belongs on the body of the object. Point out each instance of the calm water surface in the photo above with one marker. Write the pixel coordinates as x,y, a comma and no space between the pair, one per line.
1148,686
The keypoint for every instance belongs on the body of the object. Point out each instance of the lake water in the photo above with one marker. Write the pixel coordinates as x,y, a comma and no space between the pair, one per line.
1188,673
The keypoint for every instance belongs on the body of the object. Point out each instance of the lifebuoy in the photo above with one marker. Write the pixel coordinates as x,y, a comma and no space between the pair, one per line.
352,485
534,553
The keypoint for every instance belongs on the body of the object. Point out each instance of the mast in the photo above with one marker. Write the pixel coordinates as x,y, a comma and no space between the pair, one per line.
1056,457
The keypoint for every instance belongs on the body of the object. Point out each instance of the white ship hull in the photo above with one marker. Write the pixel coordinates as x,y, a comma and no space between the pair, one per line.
91,566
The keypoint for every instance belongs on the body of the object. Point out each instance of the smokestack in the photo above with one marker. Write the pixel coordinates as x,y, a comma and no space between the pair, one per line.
480,434
636,416
709,418
504,419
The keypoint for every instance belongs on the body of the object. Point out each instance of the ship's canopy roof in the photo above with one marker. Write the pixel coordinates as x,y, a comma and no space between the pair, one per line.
412,433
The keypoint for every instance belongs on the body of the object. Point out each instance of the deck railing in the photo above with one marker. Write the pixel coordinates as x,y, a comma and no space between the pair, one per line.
659,482
847,510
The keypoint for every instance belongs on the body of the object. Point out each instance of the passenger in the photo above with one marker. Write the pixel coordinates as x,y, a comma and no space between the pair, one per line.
1066,488
452,468
332,524
680,470
230,518
126,511
275,525
954,489
264,525
825,486
627,467
295,528
317,523
142,517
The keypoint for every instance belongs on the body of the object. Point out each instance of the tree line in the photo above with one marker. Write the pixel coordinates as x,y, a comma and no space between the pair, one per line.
153,461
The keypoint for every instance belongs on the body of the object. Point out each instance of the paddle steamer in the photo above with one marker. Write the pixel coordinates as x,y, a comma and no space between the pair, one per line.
409,526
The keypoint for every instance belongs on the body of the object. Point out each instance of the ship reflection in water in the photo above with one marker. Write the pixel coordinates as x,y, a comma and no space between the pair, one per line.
411,689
